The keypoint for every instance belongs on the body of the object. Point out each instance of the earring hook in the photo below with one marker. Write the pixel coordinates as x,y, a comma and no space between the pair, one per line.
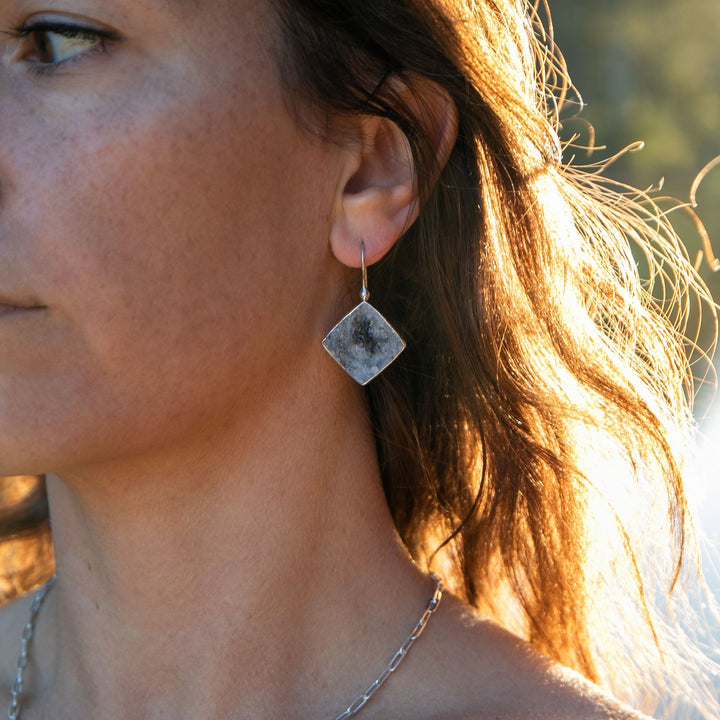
364,293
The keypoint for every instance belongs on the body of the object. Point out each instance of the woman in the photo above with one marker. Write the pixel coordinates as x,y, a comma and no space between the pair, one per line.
189,191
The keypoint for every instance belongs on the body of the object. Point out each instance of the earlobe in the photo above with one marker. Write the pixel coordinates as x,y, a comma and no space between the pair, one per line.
378,197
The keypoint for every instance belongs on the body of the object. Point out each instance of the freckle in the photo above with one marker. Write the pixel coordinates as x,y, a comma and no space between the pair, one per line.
97,606
89,567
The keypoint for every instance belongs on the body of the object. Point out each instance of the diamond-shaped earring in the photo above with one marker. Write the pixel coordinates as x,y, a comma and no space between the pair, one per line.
363,342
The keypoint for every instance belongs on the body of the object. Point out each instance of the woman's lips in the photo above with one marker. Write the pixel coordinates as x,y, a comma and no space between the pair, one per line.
7,309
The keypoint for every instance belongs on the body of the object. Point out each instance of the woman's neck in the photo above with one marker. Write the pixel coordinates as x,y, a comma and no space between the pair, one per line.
255,578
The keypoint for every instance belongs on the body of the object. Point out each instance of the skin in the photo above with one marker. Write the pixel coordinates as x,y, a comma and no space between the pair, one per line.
174,248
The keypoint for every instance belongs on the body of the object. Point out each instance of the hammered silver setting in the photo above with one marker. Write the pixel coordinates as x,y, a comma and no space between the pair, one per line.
363,343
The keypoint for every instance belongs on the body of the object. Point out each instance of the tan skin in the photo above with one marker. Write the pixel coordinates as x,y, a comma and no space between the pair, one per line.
174,248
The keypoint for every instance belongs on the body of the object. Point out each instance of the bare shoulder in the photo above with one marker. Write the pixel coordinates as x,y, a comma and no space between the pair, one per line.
472,669
13,616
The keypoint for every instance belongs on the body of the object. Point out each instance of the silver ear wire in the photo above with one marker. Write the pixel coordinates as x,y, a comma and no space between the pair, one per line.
363,343
364,293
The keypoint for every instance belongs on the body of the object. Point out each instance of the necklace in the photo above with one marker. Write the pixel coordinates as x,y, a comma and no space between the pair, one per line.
28,632
26,638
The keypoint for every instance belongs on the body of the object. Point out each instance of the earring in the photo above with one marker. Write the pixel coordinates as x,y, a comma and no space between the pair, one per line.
363,342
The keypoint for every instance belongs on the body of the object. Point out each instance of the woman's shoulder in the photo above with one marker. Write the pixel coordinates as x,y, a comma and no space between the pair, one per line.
13,616
464,667
472,669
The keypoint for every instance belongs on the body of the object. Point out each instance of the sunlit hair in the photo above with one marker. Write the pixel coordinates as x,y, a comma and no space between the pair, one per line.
534,430
26,555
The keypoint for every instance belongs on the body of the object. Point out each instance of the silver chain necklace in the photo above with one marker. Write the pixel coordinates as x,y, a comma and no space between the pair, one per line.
28,631
26,638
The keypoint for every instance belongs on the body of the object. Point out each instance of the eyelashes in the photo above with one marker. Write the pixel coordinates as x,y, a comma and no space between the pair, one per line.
47,45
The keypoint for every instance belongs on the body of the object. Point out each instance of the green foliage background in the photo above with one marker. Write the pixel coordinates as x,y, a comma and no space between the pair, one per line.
649,70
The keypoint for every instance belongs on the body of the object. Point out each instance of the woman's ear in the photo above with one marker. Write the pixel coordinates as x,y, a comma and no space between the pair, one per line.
377,197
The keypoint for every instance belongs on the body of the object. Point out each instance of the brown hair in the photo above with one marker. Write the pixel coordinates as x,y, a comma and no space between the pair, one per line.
536,354
26,555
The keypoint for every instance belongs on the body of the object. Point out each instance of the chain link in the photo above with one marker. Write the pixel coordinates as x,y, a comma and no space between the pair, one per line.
26,638
361,700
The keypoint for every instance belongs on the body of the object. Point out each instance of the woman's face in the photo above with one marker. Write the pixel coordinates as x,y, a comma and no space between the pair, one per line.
163,217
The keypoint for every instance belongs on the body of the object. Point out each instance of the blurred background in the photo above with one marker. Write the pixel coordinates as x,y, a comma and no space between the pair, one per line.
649,70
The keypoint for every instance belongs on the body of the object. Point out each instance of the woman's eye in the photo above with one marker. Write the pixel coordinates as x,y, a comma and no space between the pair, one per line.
49,44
